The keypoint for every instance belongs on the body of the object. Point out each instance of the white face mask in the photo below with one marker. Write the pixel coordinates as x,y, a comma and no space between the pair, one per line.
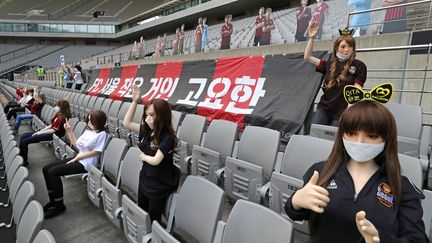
149,122
56,109
363,152
343,57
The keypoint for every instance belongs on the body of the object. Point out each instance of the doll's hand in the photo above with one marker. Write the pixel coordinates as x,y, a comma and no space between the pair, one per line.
366,228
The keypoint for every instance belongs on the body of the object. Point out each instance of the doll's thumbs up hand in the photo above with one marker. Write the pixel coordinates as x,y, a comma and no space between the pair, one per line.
366,228
311,196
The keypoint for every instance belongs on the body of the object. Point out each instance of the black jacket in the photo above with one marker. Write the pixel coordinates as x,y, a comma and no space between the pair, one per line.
337,224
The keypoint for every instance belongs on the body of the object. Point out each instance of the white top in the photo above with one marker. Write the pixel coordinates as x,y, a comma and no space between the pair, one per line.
78,77
91,141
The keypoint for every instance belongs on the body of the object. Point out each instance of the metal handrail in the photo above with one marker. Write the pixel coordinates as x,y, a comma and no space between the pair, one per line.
393,6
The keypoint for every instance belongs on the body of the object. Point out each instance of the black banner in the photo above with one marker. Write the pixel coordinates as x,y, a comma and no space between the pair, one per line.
271,91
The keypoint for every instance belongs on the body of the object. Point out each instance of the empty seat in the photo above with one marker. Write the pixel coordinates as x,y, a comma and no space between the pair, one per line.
427,210
44,236
30,223
111,191
253,223
413,138
412,169
323,131
300,153
246,173
218,144
23,197
110,165
176,118
113,120
189,134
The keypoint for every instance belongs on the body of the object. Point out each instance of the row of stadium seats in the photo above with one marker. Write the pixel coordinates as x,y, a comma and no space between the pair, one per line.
250,169
27,214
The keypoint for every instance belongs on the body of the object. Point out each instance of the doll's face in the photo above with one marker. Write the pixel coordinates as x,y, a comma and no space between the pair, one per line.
345,48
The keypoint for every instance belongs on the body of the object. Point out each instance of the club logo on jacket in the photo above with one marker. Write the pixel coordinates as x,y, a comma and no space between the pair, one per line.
332,185
352,69
385,194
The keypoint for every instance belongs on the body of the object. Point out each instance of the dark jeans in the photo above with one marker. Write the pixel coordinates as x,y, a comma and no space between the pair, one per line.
13,112
78,86
257,40
10,105
69,85
27,139
52,173
154,206
322,118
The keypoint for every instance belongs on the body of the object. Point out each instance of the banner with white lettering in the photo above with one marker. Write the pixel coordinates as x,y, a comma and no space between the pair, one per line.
275,91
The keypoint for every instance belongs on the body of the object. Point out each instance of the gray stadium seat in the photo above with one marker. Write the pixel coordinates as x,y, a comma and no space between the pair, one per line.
176,118
113,120
323,131
246,173
111,191
253,223
23,198
123,131
300,153
190,134
82,109
110,165
10,174
413,138
160,235
198,209
412,169
30,223
427,210
218,144
60,144
44,236
78,130
133,136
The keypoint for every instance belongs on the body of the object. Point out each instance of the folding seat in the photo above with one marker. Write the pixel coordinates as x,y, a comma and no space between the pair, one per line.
217,145
176,119
60,144
134,136
37,123
9,160
78,130
30,223
413,138
11,171
44,236
90,105
77,105
253,223
4,152
300,153
50,115
82,110
198,208
114,185
256,156
24,195
412,169
113,120
190,134
427,210
323,131
122,131
98,103
160,235
110,165
8,157
73,102
106,106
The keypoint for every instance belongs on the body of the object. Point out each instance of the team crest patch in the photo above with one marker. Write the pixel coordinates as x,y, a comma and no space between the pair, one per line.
385,194
352,69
